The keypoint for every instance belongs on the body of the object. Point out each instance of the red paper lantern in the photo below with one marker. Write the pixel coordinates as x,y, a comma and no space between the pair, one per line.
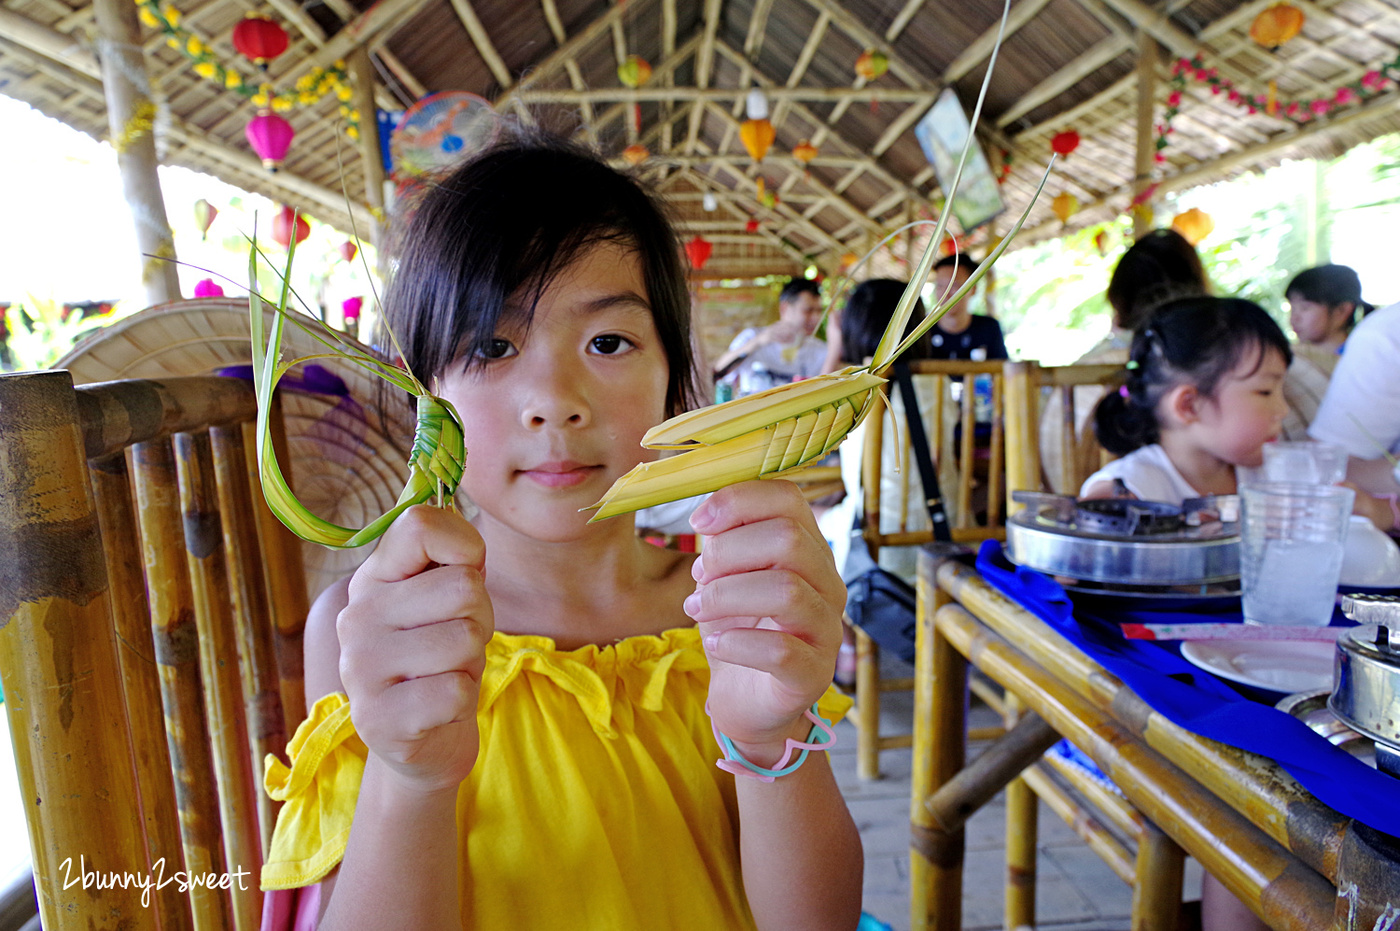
271,137
1065,142
751,226
347,250
698,251
282,226
259,39
351,307
207,287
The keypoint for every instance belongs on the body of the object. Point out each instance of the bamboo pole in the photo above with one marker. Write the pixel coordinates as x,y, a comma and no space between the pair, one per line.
58,658
1022,431
1161,864
1022,830
131,118
371,157
975,785
1146,157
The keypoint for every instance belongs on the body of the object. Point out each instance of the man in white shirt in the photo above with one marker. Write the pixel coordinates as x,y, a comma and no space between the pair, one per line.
784,351
1361,411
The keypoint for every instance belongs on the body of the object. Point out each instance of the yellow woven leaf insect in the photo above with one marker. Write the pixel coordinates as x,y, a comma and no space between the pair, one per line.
769,434
439,448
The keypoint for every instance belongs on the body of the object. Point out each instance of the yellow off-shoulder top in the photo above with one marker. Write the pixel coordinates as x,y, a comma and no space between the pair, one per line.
595,801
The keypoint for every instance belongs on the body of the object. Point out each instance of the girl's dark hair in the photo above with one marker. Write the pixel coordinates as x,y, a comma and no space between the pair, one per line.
1158,268
1197,340
868,313
1330,285
505,224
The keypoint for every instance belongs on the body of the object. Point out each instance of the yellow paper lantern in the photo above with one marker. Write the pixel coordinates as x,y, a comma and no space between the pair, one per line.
1065,205
634,71
1194,225
1276,25
804,152
757,136
871,64
635,154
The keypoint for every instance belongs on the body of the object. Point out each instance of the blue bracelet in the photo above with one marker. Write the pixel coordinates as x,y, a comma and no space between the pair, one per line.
820,737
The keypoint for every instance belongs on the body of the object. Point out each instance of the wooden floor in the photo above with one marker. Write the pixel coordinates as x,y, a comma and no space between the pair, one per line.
1075,890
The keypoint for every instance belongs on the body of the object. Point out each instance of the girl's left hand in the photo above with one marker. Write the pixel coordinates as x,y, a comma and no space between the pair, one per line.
768,602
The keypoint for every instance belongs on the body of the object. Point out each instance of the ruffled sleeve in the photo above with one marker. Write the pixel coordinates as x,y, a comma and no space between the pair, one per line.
319,791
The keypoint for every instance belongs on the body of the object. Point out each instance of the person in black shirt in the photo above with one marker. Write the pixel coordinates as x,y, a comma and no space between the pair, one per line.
961,334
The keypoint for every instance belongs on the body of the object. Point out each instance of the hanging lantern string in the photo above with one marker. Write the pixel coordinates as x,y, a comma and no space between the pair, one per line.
1186,70
310,88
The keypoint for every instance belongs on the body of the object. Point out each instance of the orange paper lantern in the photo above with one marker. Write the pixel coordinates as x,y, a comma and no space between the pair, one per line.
1065,205
635,154
1276,25
804,152
1194,225
757,136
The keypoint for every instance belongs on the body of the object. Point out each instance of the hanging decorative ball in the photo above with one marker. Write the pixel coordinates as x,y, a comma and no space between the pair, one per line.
757,136
1276,25
204,214
635,154
207,287
751,226
259,39
271,137
848,259
634,71
756,104
1101,242
351,308
348,250
1063,143
804,152
709,202
286,221
1065,205
698,251
1194,225
871,64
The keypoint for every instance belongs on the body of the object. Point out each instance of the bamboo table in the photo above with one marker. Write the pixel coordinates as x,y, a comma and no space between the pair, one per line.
1294,861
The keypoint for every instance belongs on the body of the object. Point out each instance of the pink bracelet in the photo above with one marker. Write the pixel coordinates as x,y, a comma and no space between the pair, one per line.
1394,509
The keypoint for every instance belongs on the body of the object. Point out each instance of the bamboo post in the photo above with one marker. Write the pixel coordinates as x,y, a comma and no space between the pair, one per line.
940,747
1022,832
1146,159
867,717
371,159
1022,432
1161,864
58,657
131,116
979,782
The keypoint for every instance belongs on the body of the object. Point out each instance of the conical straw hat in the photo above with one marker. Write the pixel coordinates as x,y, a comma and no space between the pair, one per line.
348,439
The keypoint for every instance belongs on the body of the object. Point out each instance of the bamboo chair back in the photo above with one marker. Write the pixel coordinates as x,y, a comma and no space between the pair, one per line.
1056,456
151,610
950,420
891,487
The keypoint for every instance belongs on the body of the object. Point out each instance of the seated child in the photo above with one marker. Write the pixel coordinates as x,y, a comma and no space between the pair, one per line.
516,719
1203,394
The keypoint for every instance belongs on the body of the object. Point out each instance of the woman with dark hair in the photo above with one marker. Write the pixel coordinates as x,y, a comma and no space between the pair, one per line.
536,746
1324,303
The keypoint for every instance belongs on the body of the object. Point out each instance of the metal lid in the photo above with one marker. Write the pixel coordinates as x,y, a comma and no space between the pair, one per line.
1367,696
1373,609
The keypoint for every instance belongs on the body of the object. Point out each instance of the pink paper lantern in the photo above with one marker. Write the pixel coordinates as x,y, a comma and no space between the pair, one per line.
351,307
206,287
271,137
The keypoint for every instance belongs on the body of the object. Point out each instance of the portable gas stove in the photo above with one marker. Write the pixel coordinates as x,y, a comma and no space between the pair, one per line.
1126,543
1367,693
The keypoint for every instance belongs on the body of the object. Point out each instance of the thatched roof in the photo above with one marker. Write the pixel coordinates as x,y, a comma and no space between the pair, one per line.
1067,64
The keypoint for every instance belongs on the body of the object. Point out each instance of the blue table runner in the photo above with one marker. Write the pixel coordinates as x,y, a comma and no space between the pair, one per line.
1196,700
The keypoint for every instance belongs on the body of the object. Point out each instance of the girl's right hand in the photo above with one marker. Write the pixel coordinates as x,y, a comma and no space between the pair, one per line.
412,647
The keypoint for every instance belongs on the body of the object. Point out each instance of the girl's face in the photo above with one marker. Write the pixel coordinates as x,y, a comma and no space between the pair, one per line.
1315,322
556,413
1246,411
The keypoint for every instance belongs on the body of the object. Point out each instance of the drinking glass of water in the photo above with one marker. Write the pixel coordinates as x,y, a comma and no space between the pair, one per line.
1312,462
1291,540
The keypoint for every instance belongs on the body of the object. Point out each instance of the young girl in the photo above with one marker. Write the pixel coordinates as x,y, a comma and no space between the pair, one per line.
1203,395
526,743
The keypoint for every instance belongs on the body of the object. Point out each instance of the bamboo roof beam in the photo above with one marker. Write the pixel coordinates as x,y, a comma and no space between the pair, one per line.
704,63
1100,54
753,42
663,69
898,127
375,24
809,229
567,51
668,48
561,37
981,47
902,19
847,23
709,184
725,94
804,61
400,72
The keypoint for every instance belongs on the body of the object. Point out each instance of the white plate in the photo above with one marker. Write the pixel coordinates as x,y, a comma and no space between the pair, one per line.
1279,665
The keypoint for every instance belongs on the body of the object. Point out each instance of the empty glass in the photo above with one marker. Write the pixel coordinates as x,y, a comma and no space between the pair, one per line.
1310,462
1292,536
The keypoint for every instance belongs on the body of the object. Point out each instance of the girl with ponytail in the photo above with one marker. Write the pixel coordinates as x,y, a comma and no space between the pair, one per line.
1203,394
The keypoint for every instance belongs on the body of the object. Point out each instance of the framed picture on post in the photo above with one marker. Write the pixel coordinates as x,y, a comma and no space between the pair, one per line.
943,132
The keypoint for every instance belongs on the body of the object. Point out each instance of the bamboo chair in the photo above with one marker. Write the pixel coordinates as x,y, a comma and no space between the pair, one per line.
150,642
955,456
1154,869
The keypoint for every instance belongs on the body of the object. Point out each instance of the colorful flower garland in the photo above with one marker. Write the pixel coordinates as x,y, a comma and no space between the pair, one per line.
1299,111
310,87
